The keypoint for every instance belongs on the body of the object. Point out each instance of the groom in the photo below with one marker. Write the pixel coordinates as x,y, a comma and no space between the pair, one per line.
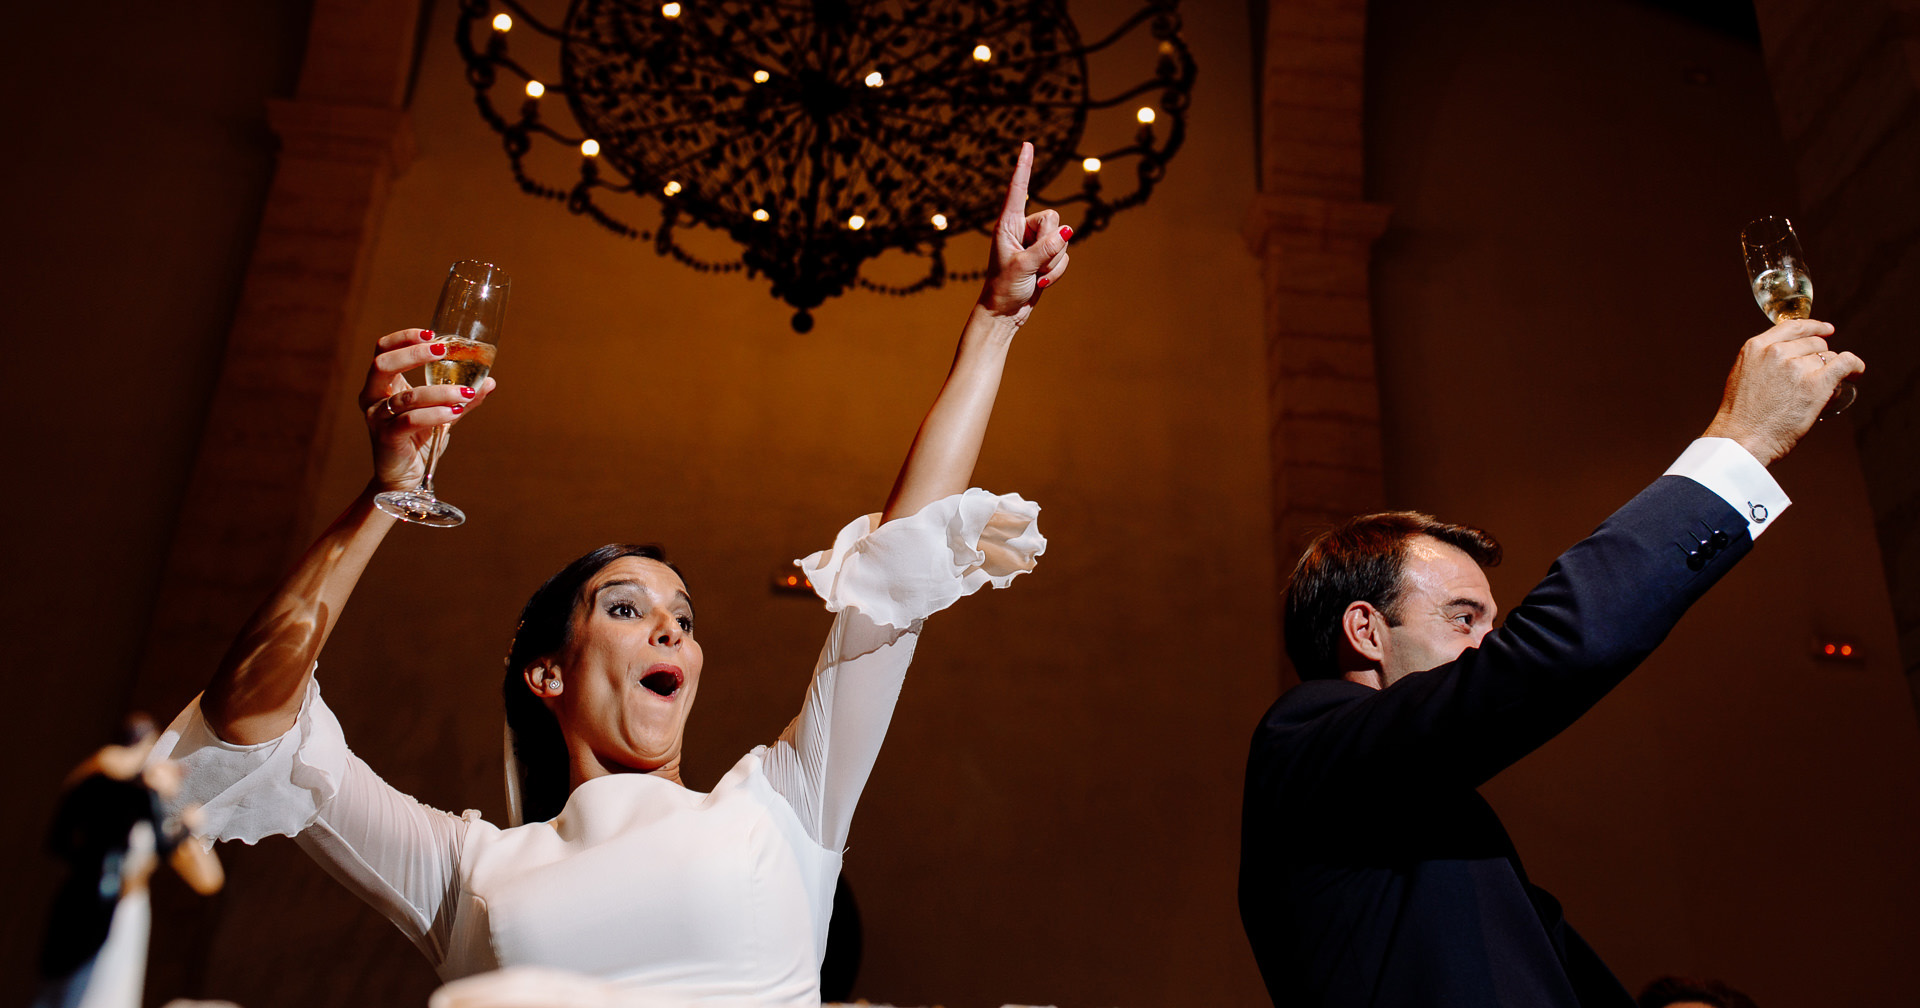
1371,871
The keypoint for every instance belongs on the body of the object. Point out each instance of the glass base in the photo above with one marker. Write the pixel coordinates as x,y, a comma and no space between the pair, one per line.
419,507
1843,396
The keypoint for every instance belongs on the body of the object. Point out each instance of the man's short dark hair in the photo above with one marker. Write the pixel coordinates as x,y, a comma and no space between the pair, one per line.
1360,560
1679,990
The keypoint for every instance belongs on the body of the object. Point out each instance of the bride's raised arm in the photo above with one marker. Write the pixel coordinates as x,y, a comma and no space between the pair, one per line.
1029,255
936,541
256,694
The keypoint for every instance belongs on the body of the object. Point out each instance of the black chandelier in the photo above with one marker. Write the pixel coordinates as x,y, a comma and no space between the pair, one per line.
819,134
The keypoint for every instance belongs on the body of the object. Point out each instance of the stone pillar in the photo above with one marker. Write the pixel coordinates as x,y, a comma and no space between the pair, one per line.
343,137
1846,85
1314,235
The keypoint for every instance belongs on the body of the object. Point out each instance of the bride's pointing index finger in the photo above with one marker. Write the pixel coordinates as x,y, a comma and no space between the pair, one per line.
1016,206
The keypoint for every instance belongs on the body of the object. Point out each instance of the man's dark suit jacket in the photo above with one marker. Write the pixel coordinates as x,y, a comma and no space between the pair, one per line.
1371,871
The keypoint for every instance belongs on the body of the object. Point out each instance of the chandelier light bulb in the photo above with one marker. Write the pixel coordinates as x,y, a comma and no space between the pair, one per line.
762,73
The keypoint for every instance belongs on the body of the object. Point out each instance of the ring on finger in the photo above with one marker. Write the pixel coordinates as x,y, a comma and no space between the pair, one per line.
387,404
1823,358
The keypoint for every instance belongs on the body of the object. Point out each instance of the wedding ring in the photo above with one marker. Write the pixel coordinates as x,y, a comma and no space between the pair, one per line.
1823,358
388,404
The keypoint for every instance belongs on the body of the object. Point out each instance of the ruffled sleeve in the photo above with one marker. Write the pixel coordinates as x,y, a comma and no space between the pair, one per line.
882,581
274,788
395,853
910,568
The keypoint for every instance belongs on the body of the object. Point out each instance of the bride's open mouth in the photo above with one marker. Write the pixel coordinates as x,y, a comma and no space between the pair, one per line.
663,680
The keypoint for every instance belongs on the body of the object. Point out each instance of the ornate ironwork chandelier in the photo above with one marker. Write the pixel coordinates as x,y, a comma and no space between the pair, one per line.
818,134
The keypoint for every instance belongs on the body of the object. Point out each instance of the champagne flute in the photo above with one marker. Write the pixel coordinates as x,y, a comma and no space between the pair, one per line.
1783,286
473,303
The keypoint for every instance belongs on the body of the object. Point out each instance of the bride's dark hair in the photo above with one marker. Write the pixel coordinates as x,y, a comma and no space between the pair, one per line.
545,626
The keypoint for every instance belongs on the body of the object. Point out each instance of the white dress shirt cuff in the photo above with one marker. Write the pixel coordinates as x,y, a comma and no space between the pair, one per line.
1722,466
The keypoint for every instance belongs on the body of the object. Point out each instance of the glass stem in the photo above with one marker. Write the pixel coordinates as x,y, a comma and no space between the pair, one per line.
435,445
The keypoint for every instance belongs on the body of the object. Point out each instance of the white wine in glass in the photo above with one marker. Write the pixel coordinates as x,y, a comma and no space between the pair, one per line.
1783,285
473,304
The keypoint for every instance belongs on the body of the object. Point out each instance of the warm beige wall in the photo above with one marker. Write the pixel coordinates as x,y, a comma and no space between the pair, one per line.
137,157
1848,91
1556,304
1055,818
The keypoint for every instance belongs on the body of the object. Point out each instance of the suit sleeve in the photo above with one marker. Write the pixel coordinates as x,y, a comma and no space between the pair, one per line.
1604,606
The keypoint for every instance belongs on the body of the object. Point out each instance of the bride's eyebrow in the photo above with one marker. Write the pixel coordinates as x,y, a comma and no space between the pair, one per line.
622,583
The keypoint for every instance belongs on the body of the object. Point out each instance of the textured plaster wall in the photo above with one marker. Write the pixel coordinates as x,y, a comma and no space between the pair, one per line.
1054,819
1557,302
138,158
1062,780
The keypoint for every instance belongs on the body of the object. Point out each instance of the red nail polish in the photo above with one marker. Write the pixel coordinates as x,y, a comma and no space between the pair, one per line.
458,408
1066,232
439,349
466,391
426,334
1043,283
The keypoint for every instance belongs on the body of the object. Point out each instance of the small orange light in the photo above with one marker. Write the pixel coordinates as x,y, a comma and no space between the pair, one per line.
1829,649
1846,650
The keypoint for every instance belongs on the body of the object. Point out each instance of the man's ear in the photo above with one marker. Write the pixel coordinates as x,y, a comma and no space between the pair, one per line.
1364,629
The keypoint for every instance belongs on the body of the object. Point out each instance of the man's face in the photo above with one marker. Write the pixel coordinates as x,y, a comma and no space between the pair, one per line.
1445,607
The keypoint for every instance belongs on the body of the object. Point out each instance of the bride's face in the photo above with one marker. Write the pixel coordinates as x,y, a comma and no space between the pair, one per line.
623,685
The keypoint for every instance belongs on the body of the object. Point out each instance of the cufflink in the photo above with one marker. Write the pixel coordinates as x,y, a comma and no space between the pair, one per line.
1757,512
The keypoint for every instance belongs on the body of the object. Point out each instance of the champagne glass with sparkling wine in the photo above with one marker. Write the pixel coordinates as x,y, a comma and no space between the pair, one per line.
1782,284
473,303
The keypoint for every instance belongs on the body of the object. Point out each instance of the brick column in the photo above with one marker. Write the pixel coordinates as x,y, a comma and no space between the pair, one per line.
1314,236
343,139
1846,85
1323,399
